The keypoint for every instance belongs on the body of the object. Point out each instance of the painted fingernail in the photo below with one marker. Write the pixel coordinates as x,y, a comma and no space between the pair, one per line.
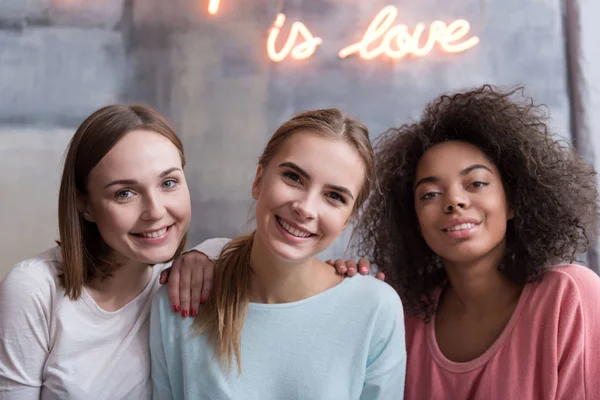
184,313
193,313
202,300
175,308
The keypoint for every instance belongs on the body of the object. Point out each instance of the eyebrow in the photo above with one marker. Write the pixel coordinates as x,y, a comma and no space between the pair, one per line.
134,182
305,174
466,171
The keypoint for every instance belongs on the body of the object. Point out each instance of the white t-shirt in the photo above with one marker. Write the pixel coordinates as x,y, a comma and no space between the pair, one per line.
54,348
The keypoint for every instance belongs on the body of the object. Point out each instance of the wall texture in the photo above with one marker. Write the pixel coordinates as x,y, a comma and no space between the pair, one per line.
209,74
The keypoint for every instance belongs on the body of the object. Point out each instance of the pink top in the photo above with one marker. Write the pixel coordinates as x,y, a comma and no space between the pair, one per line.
550,348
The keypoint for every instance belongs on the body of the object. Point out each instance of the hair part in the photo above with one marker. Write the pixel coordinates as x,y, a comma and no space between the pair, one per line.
551,190
224,313
85,255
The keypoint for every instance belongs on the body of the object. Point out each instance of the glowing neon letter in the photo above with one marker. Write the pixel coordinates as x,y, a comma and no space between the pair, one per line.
298,51
213,6
396,42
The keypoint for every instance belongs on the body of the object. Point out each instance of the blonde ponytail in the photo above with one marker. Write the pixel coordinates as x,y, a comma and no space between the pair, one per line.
223,314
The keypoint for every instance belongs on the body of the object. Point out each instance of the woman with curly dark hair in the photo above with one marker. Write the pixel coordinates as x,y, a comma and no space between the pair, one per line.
477,205
479,215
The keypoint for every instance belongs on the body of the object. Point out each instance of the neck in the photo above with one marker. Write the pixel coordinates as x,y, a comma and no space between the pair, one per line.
478,288
127,281
277,281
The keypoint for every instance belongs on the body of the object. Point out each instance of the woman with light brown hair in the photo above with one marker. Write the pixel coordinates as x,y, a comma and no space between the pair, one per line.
74,319
277,312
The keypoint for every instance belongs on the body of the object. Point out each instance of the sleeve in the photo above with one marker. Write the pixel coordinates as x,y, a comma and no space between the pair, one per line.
578,337
161,386
212,247
386,367
25,298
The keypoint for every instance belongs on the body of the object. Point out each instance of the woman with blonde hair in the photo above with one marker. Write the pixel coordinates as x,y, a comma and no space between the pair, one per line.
277,313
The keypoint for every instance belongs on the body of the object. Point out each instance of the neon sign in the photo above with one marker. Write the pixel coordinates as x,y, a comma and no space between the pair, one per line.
299,51
213,6
381,38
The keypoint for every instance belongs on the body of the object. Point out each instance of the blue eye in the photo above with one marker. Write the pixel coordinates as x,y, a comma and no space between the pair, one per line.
169,184
124,194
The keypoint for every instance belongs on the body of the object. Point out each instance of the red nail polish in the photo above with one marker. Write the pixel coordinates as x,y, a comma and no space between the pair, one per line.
175,308
193,313
202,300
184,313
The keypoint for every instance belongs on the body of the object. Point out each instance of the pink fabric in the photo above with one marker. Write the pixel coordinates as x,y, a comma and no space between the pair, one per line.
550,348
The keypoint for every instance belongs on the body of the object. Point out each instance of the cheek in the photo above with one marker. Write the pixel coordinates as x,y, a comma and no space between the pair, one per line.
180,206
334,221
116,219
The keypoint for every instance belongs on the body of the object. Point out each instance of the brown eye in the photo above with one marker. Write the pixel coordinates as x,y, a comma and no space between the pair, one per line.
337,197
479,184
292,176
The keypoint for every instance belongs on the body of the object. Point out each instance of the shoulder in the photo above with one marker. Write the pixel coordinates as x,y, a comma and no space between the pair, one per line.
374,294
161,303
35,275
577,279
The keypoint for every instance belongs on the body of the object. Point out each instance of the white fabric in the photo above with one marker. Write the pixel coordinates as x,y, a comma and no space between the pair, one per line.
54,348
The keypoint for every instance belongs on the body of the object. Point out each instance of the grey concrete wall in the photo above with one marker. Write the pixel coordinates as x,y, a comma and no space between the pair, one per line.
61,60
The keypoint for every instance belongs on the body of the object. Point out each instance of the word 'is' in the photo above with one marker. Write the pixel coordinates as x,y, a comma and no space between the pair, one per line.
382,37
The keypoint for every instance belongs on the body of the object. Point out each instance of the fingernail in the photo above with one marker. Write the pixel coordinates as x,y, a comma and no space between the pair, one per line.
351,270
184,313
364,270
193,313
202,300
175,308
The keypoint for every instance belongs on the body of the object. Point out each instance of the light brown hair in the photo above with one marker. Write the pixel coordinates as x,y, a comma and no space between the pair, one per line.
85,255
223,314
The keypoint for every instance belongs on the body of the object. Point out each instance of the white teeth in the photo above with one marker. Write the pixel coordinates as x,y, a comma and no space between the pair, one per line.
293,231
461,227
155,234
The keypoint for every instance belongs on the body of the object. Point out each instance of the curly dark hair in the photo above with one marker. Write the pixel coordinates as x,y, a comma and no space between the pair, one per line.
551,190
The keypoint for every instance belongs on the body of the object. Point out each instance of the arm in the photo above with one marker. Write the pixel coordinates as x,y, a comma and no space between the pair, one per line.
386,366
578,338
190,276
25,295
161,387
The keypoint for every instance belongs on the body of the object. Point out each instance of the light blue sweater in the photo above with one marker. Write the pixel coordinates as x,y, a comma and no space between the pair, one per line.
344,343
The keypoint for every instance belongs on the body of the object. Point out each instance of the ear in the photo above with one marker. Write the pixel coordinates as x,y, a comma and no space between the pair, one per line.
84,209
511,214
256,185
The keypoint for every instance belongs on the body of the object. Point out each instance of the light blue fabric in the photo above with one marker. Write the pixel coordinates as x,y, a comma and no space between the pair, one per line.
345,343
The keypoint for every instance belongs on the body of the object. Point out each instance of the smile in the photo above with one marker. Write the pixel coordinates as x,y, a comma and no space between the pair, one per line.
154,234
299,233
460,227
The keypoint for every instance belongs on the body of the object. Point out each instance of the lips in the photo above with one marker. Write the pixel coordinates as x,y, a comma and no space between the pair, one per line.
460,227
153,234
459,224
293,230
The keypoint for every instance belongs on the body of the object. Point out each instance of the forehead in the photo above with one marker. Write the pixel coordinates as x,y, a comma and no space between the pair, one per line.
328,160
138,154
450,158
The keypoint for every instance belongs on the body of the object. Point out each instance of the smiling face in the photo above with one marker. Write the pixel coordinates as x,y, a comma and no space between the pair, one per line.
137,196
306,195
460,202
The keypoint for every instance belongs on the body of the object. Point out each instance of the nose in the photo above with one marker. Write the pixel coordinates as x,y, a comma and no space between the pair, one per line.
154,209
305,207
456,199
